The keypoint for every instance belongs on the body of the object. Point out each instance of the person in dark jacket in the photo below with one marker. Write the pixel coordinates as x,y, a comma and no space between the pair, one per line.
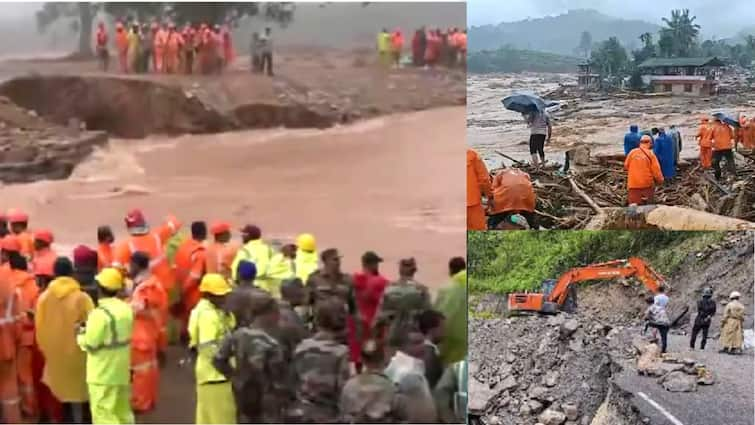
706,308
431,324
631,139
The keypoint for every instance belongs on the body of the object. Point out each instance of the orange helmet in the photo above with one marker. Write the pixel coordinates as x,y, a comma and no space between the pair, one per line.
43,235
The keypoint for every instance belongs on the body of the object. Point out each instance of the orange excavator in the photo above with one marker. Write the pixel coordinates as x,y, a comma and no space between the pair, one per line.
559,295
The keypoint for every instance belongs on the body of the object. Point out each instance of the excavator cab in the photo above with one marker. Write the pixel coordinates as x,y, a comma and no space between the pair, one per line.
537,302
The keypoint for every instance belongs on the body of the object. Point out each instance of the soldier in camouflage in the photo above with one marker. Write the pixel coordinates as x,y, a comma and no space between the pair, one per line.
403,300
370,397
291,328
243,293
321,367
259,385
330,283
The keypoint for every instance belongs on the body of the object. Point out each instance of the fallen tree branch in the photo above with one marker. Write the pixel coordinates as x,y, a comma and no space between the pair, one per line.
584,196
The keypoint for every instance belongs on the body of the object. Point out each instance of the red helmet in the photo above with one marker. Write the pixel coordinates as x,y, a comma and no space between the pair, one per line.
135,218
17,216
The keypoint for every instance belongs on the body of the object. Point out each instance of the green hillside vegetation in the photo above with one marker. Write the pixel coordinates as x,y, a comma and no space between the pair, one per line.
505,262
509,59
558,34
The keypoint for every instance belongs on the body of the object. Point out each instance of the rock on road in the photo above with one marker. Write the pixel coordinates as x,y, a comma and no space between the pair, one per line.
729,401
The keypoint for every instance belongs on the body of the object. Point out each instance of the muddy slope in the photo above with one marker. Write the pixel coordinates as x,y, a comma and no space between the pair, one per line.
127,108
33,149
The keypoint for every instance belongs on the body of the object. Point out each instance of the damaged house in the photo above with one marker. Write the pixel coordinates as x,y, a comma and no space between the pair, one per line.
682,76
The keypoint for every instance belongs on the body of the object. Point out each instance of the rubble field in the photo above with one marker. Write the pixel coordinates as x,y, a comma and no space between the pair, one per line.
572,201
565,369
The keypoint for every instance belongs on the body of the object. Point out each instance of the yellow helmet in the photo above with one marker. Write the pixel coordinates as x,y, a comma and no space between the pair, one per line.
306,242
215,284
110,278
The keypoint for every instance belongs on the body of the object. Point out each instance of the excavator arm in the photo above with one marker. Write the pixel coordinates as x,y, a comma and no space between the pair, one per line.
632,267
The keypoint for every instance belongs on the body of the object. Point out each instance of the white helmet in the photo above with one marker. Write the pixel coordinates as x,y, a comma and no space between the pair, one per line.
734,295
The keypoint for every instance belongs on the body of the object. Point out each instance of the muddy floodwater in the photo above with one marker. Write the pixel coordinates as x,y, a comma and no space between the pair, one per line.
597,121
392,184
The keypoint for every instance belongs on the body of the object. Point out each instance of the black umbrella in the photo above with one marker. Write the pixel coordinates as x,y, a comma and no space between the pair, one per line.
727,119
523,103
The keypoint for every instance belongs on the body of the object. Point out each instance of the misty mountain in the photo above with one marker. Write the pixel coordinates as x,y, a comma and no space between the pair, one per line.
559,34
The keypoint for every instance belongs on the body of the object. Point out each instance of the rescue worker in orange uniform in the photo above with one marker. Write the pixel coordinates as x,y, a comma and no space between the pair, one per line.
161,41
478,185
28,292
228,52
121,45
397,46
10,338
101,45
189,49
748,134
512,194
151,242
19,226
149,338
190,266
723,144
173,44
105,240
221,252
44,255
643,171
704,136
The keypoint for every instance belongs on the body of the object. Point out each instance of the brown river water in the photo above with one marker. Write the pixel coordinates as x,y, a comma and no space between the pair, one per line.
393,184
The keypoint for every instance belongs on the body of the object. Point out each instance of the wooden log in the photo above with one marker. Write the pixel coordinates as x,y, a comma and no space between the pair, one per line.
584,196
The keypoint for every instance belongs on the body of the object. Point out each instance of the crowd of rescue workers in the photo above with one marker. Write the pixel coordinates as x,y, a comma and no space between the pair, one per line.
274,332
651,159
163,47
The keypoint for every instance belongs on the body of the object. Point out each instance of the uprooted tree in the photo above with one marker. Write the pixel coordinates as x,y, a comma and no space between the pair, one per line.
81,15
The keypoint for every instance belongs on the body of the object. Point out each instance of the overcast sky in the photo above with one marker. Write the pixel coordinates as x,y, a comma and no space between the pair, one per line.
721,19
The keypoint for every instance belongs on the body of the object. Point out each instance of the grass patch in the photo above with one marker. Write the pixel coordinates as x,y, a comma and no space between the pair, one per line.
505,262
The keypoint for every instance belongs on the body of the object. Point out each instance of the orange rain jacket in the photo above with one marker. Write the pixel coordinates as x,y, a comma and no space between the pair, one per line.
512,191
722,136
642,168
152,243
150,304
704,133
478,179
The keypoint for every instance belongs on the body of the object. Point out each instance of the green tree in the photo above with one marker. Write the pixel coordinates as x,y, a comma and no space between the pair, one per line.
647,51
585,44
610,57
80,16
680,35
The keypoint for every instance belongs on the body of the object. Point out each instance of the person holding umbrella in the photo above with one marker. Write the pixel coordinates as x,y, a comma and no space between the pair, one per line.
532,109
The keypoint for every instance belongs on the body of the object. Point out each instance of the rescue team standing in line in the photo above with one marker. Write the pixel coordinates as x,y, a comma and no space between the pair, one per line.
274,335
429,48
163,47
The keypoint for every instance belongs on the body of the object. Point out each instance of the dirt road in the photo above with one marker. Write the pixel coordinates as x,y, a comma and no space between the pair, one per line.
728,401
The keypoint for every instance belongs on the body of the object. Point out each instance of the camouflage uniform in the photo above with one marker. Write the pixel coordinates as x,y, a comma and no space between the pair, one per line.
239,302
291,331
259,380
402,301
323,286
372,398
321,367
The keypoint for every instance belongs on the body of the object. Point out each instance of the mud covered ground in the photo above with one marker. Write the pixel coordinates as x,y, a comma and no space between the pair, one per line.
596,123
521,367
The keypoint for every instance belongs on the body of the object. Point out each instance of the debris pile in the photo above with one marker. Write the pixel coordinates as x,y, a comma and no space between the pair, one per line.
33,149
570,201
551,371
674,373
